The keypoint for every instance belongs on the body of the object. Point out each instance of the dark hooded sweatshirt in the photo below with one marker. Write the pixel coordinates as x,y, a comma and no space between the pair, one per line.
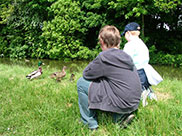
115,83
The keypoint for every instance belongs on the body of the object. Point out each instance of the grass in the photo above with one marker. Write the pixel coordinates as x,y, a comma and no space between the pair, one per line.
46,107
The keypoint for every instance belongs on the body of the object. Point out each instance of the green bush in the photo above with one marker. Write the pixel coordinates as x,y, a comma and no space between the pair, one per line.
68,29
3,47
64,34
164,59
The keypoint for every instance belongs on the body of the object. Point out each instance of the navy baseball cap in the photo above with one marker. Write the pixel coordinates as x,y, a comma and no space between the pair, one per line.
133,26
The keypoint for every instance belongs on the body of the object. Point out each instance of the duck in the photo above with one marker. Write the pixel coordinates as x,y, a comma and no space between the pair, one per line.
59,75
2,55
72,77
36,73
26,60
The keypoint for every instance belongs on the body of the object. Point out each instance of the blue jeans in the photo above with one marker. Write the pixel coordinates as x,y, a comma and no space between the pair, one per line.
143,79
88,116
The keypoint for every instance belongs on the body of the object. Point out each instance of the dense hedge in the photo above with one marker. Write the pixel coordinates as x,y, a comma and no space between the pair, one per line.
68,29
161,58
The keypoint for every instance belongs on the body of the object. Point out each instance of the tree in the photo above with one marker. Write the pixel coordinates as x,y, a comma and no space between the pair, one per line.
64,34
22,26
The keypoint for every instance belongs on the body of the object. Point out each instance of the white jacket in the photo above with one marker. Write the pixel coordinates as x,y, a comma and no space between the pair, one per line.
139,52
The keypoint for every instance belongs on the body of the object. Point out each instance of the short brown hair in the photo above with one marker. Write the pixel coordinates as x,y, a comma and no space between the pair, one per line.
110,35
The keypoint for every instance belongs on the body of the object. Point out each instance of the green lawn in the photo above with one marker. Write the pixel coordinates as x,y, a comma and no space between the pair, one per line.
46,107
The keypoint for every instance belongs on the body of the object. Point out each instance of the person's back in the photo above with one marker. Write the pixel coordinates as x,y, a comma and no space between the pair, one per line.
110,82
117,79
139,52
136,48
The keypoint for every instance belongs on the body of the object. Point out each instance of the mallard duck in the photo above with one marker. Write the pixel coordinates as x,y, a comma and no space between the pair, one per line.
2,55
72,77
36,73
26,60
59,75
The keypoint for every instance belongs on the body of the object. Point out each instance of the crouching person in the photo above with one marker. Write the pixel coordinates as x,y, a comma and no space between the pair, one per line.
110,82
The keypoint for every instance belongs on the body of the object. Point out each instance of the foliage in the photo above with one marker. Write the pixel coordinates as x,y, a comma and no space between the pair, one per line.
64,33
164,59
60,29
5,10
166,6
23,28
132,8
143,7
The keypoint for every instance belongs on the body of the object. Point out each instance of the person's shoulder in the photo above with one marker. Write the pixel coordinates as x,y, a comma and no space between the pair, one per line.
127,44
142,42
136,41
110,51
115,52
130,44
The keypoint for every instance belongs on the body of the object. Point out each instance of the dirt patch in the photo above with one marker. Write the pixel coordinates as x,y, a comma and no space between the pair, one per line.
163,96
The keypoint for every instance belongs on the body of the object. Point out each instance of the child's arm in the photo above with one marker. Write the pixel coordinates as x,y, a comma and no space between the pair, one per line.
93,70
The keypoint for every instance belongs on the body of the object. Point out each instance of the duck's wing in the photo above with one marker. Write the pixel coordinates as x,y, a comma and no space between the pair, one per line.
61,74
36,75
58,79
53,75
33,73
56,73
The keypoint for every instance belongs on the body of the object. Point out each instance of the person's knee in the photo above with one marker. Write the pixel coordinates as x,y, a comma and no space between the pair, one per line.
80,80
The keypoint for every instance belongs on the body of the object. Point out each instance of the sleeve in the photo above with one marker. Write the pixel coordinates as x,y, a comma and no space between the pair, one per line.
94,69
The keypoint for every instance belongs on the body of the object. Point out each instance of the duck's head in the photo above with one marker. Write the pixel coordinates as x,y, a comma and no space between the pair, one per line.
64,67
40,63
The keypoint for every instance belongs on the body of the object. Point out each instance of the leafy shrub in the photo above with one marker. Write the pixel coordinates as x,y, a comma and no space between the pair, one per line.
64,33
164,59
3,48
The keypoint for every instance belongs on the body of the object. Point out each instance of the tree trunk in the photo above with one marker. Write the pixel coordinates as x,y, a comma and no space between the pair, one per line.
143,25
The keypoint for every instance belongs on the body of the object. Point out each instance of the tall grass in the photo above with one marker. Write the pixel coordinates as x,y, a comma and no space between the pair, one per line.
46,107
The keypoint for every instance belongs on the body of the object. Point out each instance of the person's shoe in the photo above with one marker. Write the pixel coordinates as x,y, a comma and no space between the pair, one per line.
93,129
127,121
144,95
152,96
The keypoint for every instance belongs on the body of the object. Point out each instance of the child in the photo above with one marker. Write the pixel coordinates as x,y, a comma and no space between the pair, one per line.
110,82
139,52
